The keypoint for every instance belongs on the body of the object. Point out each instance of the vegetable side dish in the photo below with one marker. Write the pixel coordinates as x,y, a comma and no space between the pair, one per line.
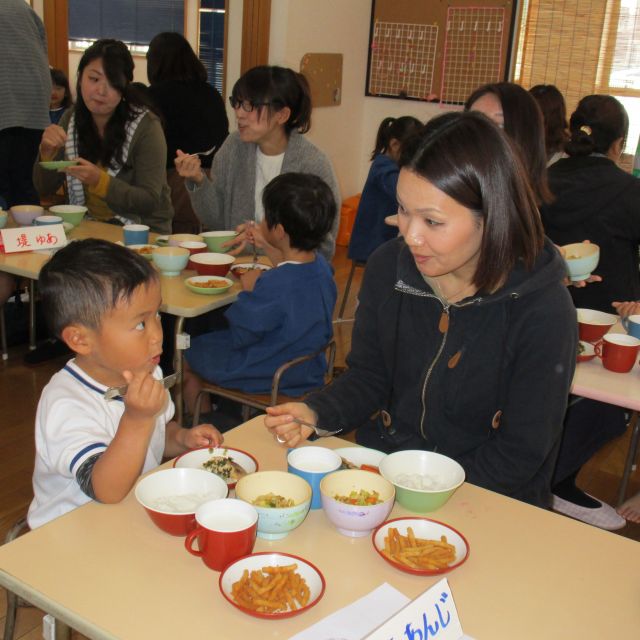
272,501
360,498
223,466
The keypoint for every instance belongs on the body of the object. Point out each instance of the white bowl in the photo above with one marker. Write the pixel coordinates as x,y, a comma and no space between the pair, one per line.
197,457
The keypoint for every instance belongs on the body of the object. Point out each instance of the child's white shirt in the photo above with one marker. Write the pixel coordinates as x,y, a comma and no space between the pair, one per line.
73,423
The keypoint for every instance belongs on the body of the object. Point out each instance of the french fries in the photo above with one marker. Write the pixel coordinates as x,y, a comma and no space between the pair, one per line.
271,590
418,553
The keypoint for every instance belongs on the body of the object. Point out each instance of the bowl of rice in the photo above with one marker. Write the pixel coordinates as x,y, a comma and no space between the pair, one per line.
171,496
424,480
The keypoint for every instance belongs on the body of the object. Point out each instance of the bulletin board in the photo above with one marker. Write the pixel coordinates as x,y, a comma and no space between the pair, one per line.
438,50
323,72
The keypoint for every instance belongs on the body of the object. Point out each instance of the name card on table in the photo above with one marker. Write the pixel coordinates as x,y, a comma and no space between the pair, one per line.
48,236
431,615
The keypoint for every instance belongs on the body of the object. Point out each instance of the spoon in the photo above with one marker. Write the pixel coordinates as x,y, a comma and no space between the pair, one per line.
321,433
208,152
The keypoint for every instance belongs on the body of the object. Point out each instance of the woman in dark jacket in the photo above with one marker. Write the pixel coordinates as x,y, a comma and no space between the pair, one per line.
464,340
193,112
594,200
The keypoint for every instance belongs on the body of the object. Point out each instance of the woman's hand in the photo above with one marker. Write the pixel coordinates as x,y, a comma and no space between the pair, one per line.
578,283
189,167
280,422
626,309
87,172
54,138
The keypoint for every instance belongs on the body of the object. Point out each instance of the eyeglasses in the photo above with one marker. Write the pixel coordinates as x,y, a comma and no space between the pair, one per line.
246,105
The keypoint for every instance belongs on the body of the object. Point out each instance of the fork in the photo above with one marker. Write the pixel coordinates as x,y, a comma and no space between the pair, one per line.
321,433
254,249
208,152
114,392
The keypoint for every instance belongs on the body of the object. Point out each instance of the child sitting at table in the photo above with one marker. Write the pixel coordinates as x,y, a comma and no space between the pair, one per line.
103,301
282,313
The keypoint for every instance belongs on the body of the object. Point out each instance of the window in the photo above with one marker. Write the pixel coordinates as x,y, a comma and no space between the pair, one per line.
135,22
583,47
211,40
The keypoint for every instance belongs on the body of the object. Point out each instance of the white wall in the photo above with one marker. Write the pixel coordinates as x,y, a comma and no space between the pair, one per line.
346,132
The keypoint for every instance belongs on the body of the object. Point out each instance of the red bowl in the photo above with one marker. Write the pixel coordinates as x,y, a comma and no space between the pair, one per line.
211,264
171,496
193,247
592,324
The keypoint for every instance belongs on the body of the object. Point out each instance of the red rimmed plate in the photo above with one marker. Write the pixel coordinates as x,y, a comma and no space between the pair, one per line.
195,458
587,352
427,529
255,562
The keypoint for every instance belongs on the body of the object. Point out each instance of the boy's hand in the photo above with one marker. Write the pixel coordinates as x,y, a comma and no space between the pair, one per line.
203,435
145,396
248,280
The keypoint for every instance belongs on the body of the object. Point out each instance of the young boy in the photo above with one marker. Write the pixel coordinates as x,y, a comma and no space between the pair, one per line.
282,313
103,301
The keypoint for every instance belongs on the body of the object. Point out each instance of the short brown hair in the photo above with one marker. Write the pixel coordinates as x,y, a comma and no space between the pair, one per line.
467,157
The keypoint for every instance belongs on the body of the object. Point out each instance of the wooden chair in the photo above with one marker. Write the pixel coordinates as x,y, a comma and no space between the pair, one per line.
62,631
262,401
345,295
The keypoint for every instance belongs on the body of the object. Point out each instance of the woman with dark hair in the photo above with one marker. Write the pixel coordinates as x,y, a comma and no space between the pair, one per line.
193,113
60,95
464,339
117,142
273,109
598,201
513,109
554,115
379,193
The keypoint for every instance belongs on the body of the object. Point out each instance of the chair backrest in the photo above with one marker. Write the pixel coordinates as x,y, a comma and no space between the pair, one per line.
329,349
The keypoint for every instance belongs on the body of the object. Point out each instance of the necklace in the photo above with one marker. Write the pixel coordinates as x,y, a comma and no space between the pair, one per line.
451,298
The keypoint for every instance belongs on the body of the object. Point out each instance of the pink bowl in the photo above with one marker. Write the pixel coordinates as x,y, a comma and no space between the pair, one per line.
211,264
194,247
171,496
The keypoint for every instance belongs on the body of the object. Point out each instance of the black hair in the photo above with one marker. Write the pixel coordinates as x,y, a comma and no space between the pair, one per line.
303,204
86,279
597,122
523,124
170,57
394,128
275,88
452,153
118,68
554,116
59,79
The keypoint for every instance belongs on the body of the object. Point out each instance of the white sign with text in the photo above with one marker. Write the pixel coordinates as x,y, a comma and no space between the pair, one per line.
48,236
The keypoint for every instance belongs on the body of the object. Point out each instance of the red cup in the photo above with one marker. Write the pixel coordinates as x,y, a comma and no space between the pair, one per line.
193,247
226,530
593,324
618,352
211,264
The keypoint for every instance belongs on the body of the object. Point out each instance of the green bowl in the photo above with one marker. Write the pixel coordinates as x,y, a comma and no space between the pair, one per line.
55,165
193,282
71,213
215,240
438,475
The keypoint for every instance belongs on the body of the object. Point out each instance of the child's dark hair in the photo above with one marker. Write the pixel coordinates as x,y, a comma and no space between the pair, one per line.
394,128
597,122
59,79
303,204
275,88
88,278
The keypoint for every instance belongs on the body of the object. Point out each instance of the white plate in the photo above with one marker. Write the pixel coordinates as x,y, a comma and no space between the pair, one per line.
361,455
311,574
197,457
249,265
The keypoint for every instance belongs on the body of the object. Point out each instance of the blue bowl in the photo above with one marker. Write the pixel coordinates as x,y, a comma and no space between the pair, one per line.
171,260
581,259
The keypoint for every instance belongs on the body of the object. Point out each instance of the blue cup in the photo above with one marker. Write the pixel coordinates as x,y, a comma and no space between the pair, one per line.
631,325
41,221
313,464
136,234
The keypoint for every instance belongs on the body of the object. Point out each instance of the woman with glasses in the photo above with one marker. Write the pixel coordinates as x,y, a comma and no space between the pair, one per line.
273,110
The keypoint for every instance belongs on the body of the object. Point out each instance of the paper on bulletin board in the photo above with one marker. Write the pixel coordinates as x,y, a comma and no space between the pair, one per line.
50,236
323,72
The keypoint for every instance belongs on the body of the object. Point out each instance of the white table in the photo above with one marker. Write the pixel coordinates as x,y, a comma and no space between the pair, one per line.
107,571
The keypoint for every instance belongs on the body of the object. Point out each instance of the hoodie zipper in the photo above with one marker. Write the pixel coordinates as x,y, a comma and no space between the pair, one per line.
445,312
